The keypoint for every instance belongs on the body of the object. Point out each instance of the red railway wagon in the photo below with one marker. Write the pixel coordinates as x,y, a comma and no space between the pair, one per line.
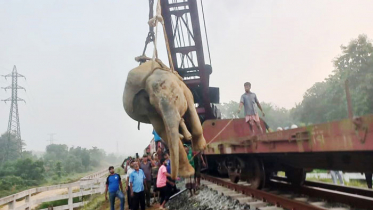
234,151
343,145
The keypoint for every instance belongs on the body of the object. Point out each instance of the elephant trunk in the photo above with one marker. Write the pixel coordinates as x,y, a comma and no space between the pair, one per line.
171,119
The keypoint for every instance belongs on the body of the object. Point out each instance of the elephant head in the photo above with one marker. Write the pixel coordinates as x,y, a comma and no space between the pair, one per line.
155,94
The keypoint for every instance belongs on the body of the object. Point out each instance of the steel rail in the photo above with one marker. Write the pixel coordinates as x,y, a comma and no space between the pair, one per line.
330,186
351,190
353,200
262,195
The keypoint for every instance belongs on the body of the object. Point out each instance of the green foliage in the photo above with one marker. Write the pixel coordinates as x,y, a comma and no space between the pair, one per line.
59,164
229,110
58,169
61,160
275,116
9,148
20,174
96,202
326,101
62,202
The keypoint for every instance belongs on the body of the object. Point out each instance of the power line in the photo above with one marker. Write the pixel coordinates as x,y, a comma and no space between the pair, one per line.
51,140
14,128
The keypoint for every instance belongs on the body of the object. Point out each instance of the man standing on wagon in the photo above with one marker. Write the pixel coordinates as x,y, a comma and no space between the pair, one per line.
248,101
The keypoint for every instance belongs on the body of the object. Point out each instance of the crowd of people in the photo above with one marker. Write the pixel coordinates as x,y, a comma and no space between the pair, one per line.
150,176
151,173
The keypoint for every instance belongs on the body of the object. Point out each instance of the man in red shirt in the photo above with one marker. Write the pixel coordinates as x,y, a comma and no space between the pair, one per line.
162,183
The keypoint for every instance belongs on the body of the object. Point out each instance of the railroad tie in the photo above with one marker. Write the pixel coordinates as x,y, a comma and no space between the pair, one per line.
237,195
320,203
243,183
256,204
270,208
241,198
301,199
286,195
246,199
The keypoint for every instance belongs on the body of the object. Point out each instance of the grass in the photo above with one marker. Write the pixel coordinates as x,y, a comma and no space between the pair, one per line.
352,183
97,202
70,178
62,202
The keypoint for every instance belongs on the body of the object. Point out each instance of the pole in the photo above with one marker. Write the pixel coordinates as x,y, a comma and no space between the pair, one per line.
348,98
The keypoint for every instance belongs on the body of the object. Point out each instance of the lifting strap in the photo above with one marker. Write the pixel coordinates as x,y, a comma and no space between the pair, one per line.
152,36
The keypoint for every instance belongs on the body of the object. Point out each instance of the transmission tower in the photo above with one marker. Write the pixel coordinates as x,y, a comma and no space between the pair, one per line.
51,139
13,124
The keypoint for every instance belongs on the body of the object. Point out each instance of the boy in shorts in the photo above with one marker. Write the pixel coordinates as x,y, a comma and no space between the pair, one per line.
248,101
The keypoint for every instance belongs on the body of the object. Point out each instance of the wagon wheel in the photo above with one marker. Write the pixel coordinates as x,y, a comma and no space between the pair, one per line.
221,168
254,173
296,176
234,166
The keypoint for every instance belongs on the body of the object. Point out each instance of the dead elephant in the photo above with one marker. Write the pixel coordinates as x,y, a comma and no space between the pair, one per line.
155,94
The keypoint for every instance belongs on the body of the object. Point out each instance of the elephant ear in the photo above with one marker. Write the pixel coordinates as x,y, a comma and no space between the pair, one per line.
141,106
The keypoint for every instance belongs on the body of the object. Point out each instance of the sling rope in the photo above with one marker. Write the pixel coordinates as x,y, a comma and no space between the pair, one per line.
153,22
153,36
213,139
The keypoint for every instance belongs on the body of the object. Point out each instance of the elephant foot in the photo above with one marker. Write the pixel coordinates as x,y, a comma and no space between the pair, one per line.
199,143
186,170
184,130
188,137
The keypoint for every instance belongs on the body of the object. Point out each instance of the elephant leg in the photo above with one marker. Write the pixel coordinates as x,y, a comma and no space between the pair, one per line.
198,141
184,130
179,161
185,169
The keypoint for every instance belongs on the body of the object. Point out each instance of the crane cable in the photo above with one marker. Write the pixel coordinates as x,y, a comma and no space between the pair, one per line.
153,22
204,24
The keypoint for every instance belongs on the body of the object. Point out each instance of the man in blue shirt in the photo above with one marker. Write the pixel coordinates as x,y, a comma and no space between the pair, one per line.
113,182
138,184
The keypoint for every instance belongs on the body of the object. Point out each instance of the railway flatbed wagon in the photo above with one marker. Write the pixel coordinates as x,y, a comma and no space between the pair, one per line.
234,150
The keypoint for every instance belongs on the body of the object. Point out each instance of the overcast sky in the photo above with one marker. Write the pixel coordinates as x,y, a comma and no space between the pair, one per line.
76,56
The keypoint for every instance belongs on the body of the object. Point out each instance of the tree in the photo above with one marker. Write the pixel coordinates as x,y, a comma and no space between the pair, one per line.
86,158
8,148
326,101
275,116
59,151
96,155
58,169
30,170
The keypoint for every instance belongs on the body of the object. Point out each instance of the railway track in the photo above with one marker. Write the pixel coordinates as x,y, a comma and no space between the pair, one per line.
283,195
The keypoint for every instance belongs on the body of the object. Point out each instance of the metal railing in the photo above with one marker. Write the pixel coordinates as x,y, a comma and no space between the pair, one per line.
88,185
